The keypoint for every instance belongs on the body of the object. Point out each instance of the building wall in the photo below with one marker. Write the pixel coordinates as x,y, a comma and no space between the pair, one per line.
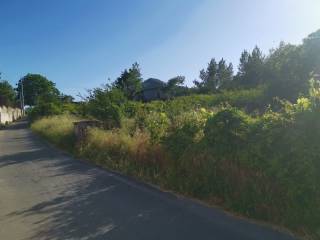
152,94
8,114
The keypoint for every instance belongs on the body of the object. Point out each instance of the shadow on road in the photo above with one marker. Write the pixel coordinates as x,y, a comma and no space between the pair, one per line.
96,206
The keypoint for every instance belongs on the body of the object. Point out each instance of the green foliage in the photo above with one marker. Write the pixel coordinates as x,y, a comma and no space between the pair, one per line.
251,68
50,105
226,132
131,108
249,99
47,105
215,76
34,86
174,86
157,124
287,75
130,82
267,162
186,129
311,52
314,93
282,147
106,105
7,94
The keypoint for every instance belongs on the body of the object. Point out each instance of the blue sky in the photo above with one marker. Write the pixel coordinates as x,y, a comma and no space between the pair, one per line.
79,44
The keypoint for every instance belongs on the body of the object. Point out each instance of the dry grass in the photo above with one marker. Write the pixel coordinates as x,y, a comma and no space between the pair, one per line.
133,155
57,129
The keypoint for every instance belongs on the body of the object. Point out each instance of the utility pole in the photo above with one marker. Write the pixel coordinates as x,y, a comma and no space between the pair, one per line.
21,96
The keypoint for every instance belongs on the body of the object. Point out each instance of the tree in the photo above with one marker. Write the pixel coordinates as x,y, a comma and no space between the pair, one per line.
208,77
286,72
243,65
47,105
35,85
225,73
174,86
106,104
66,98
130,82
311,52
251,68
7,94
215,76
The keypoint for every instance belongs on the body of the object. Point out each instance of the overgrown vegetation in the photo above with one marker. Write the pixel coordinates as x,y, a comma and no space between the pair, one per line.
262,166
248,142
58,130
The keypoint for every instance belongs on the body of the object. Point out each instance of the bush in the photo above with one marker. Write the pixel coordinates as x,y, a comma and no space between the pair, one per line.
186,129
107,106
285,151
44,109
157,125
226,132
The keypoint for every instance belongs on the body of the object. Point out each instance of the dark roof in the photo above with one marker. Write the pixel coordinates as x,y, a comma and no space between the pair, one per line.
152,83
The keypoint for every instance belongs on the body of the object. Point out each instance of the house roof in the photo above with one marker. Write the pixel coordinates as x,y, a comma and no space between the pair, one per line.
153,83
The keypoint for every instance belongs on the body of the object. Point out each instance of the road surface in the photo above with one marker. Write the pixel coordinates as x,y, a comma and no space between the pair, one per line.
45,194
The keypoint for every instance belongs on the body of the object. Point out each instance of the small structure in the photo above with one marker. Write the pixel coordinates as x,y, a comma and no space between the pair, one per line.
81,129
316,76
153,89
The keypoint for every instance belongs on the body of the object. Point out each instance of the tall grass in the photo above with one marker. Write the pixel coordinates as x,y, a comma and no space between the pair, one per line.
57,129
131,154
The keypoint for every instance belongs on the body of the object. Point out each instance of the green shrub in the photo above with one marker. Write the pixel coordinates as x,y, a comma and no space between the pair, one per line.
107,105
286,151
226,132
186,129
157,125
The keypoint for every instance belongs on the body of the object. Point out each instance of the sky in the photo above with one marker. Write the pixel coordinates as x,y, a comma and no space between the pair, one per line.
80,44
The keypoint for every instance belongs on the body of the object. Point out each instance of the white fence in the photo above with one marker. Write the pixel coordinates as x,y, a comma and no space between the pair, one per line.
8,114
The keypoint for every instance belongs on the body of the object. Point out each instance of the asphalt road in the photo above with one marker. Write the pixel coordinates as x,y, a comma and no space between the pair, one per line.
45,194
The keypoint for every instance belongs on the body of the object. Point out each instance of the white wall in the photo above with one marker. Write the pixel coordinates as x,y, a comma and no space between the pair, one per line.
8,114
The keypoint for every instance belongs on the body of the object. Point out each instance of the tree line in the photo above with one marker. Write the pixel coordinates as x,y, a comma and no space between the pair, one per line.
284,72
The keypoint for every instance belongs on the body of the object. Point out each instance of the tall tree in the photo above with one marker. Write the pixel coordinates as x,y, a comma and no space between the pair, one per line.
208,77
287,73
174,86
130,81
7,94
34,86
215,76
251,68
225,73
311,51
243,65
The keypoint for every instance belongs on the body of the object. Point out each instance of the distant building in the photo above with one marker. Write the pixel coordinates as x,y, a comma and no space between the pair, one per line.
153,89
